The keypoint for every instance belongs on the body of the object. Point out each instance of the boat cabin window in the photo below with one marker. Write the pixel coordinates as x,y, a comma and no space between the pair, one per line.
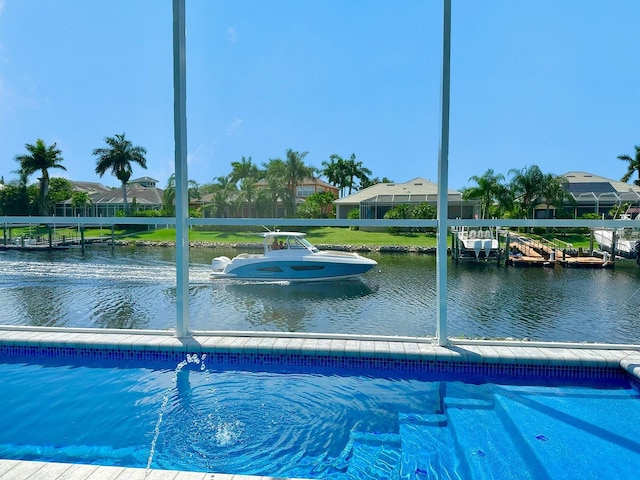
278,244
296,242
283,243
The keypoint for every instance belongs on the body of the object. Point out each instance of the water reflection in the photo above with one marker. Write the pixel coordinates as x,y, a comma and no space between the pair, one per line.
119,311
29,305
290,306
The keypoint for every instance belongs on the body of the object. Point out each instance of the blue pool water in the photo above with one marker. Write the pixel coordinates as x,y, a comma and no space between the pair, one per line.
318,423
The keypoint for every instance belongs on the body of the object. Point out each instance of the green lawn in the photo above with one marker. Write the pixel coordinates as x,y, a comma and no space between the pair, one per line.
320,235
337,236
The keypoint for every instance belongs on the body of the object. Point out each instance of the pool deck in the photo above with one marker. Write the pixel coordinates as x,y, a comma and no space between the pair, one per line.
625,357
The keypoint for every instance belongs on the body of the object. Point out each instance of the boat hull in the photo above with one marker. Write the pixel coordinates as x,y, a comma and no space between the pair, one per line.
628,248
295,270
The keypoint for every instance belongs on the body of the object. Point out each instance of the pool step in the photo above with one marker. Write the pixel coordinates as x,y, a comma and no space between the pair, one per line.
479,425
373,456
427,448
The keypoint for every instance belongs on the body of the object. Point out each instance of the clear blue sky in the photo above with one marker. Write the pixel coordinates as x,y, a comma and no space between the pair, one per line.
549,82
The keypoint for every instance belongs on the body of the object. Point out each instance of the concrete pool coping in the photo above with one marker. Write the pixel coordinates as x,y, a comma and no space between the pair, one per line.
496,352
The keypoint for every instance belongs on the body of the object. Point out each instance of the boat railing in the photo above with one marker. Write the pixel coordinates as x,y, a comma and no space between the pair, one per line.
465,233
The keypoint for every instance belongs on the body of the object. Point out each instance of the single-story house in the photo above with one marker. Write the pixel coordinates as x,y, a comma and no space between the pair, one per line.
374,201
106,202
595,194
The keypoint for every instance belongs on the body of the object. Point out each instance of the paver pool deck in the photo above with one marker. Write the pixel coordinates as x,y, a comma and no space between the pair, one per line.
525,354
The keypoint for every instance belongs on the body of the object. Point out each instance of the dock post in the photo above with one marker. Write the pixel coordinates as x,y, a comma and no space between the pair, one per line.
498,252
455,248
82,239
614,244
4,233
113,238
50,238
591,243
507,250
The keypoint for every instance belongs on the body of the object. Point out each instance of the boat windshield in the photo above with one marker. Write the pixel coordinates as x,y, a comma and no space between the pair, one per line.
301,242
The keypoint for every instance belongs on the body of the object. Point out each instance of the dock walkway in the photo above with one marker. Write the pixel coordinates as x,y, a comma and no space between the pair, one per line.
533,253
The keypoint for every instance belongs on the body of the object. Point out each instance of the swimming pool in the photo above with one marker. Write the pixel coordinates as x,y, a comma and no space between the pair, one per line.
316,417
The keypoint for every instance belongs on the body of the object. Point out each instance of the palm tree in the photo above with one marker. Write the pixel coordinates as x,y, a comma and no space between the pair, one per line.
488,190
169,194
554,191
356,170
224,193
296,172
244,175
374,181
275,187
633,167
526,184
245,169
335,170
343,173
40,157
248,192
117,157
81,200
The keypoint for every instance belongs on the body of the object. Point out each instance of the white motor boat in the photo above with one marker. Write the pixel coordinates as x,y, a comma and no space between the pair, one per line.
288,256
626,240
475,244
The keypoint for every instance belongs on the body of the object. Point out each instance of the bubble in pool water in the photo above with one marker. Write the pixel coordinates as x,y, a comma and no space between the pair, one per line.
227,433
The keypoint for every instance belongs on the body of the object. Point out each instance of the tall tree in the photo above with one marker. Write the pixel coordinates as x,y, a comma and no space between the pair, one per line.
81,200
633,167
14,199
525,185
41,158
296,172
489,189
224,193
249,192
374,181
554,191
169,194
335,171
245,174
355,170
118,156
243,170
60,189
275,187
344,173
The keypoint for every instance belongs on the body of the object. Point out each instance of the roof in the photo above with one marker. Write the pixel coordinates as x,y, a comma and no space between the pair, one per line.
89,187
143,180
597,183
415,190
104,195
586,186
303,183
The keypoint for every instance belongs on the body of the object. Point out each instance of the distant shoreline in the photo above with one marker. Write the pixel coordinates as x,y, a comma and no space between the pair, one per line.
258,246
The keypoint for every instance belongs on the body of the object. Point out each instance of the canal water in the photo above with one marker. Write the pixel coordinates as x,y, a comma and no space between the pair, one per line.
134,287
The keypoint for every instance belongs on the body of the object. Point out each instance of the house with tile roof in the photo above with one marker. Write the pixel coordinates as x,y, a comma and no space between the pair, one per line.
591,193
374,201
107,202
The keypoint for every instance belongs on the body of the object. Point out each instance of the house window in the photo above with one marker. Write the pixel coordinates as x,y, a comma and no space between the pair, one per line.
304,191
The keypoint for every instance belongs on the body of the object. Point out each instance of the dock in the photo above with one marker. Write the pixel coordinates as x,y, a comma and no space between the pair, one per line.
534,253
